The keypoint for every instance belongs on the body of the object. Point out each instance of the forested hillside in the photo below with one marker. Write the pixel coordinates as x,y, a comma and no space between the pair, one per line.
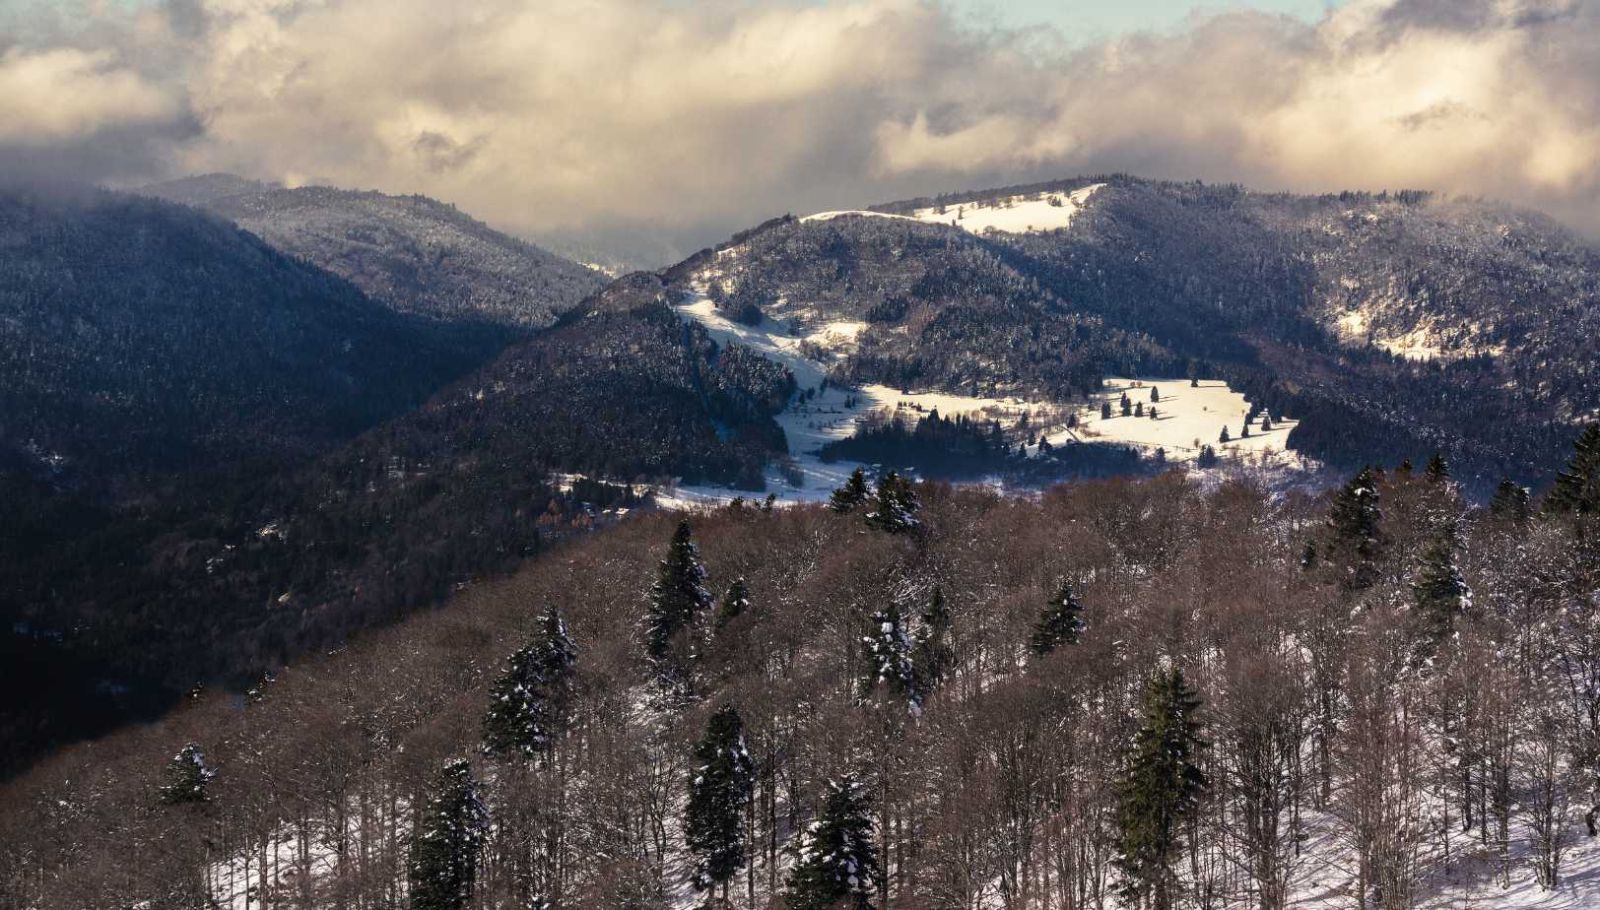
1148,693
225,583
416,254
1389,326
139,339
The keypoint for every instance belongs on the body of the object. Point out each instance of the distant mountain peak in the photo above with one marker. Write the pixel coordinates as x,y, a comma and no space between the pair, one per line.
416,254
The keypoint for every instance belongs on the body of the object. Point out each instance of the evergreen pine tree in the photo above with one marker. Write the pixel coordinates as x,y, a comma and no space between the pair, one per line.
1155,395
676,601
1105,410
1439,591
187,776
838,862
1224,437
1577,489
1061,623
894,506
735,601
933,658
1160,791
888,652
528,705
852,494
1126,405
1510,501
449,838
1438,469
1308,555
1354,523
718,793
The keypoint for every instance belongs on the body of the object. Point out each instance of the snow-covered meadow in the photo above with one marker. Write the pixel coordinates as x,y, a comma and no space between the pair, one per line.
1031,213
1188,416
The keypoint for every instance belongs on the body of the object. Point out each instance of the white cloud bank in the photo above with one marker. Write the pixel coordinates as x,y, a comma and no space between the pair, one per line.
557,115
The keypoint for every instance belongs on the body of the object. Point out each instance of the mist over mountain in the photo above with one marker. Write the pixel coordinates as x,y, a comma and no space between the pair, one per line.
145,340
413,253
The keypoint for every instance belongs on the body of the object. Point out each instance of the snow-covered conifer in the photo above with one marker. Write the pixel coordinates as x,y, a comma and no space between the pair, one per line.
677,598
894,505
187,776
1061,623
528,705
838,862
719,791
448,841
889,656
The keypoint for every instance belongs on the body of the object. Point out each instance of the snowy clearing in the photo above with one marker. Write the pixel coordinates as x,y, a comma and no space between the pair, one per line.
1187,417
1025,214
830,415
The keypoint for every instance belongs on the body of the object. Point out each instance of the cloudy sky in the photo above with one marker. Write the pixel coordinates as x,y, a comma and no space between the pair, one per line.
693,119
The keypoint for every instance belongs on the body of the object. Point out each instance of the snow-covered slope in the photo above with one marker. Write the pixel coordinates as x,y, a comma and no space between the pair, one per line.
1031,213
1187,417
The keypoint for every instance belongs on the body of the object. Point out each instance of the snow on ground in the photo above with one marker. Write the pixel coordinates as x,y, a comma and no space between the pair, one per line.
1472,878
1025,214
831,414
1421,343
1187,417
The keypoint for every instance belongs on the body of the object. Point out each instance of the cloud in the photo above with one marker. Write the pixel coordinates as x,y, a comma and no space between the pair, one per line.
695,119
65,94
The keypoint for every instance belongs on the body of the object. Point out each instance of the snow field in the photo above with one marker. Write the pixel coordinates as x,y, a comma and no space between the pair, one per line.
1026,214
1187,418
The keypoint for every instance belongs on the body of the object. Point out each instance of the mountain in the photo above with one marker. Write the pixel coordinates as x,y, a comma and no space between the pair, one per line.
140,340
157,366
1384,326
225,586
989,334
417,255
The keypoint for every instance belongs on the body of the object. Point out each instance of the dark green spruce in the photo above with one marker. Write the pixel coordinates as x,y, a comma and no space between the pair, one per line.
1159,792
1577,489
1061,623
187,777
677,599
894,505
449,839
850,496
719,792
838,863
528,705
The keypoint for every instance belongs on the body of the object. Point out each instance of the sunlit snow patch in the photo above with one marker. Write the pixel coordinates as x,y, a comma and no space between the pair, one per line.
1029,213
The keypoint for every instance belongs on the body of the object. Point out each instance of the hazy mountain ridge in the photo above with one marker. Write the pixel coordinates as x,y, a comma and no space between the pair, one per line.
143,339
416,254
